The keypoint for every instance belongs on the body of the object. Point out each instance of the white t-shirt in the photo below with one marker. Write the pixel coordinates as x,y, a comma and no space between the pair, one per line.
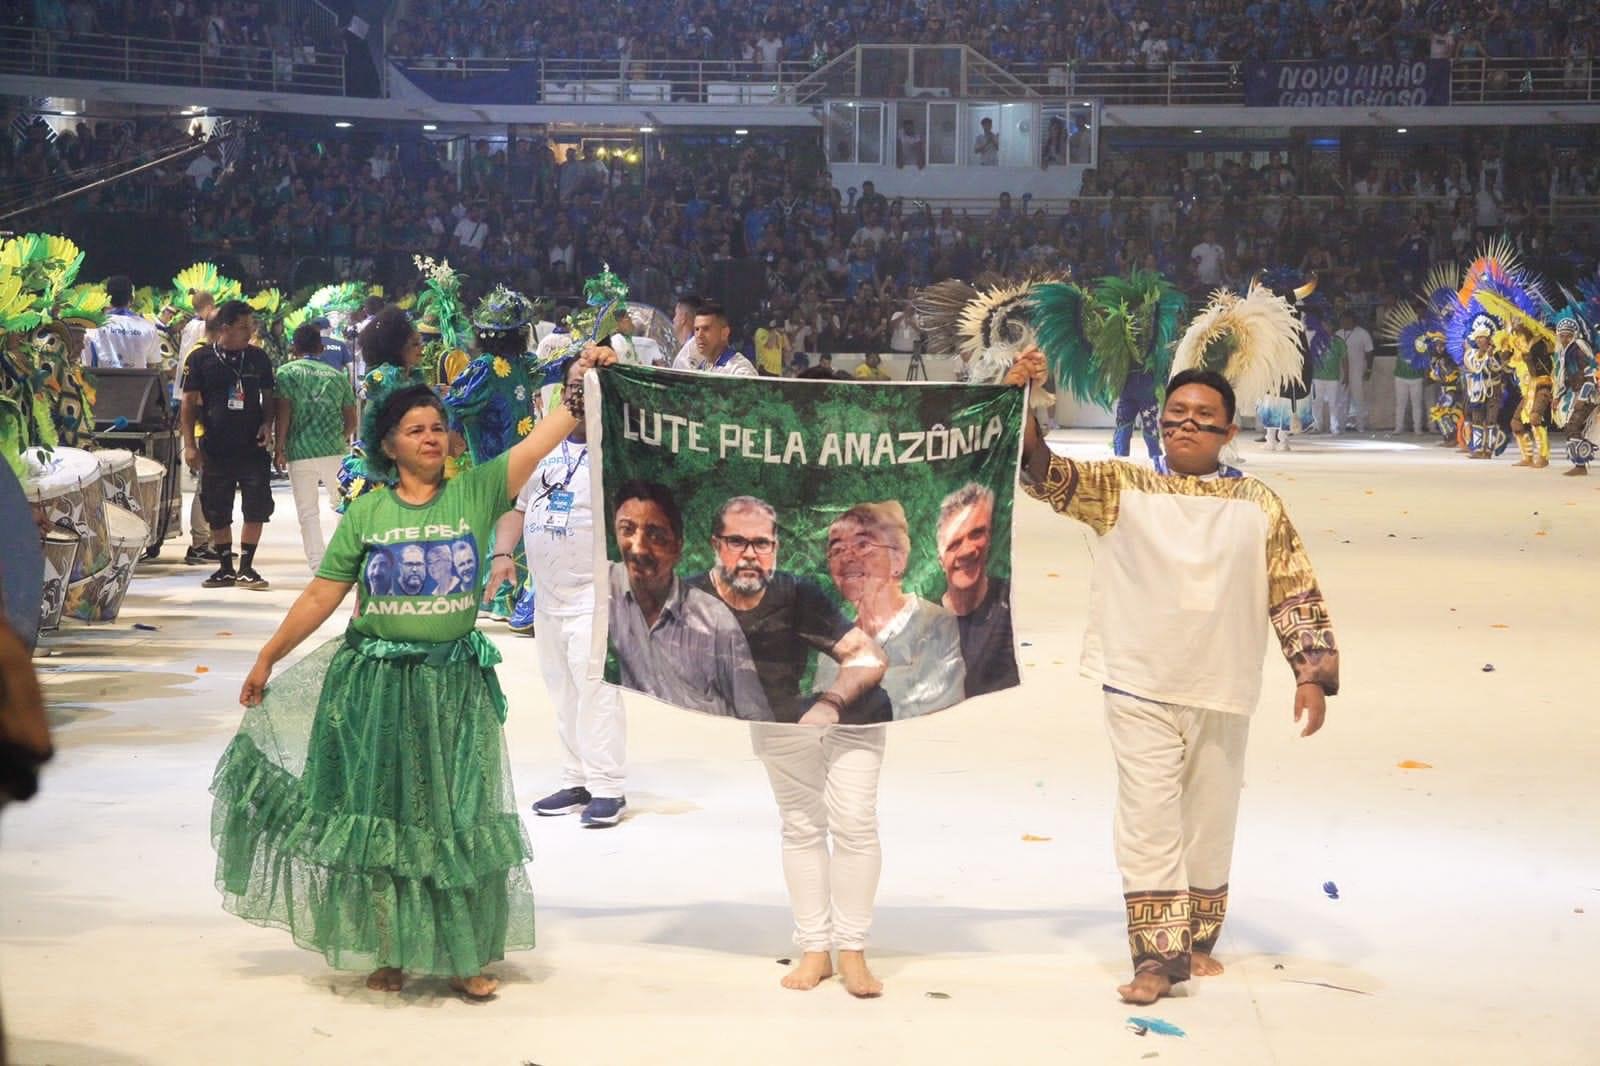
126,340
732,362
986,149
202,169
1207,259
1358,346
471,234
194,332
770,48
558,532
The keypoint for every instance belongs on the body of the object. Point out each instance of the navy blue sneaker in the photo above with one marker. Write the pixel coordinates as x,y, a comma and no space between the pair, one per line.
567,801
522,615
604,811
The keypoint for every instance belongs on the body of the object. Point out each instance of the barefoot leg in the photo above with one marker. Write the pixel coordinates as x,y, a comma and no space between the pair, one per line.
1202,964
858,979
1145,988
480,987
813,968
386,979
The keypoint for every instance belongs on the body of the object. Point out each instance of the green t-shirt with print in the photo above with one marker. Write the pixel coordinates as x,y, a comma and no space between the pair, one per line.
419,569
1331,365
317,395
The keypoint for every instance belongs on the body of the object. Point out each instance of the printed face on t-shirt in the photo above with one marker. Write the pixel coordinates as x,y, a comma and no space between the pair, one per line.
465,559
380,573
422,568
413,570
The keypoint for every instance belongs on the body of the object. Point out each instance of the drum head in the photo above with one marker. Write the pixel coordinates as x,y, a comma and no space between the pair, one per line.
114,459
21,560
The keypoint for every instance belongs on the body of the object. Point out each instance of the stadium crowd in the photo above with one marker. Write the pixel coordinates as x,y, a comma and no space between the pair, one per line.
1149,33
837,266
225,27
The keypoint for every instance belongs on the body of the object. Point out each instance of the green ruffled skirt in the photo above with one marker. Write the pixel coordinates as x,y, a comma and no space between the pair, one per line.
366,807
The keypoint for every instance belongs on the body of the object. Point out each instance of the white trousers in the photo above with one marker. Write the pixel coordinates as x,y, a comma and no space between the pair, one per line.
826,783
1179,772
304,477
589,716
1325,402
1408,394
1354,397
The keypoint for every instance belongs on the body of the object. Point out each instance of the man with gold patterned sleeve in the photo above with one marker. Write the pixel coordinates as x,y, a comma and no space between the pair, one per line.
1193,557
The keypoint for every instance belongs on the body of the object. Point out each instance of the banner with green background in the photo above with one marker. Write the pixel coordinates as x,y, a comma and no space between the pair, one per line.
861,573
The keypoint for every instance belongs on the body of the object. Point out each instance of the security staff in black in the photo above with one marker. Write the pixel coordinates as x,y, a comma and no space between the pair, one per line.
227,390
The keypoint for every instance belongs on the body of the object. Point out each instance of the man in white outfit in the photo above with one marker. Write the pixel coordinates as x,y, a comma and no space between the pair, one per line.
556,516
1358,368
193,333
317,418
127,339
683,313
711,354
1189,557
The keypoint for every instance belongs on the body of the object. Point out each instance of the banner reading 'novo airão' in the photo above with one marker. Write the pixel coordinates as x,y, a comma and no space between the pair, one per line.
1348,83
803,551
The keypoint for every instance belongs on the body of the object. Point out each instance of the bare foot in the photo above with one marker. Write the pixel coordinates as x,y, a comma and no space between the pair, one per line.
387,979
858,980
813,968
1145,988
480,987
1203,965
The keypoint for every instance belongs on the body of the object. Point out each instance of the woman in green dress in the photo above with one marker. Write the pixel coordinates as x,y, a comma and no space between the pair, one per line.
365,804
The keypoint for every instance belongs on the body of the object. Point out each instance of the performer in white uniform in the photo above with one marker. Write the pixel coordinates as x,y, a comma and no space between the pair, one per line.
1192,558
555,516
127,338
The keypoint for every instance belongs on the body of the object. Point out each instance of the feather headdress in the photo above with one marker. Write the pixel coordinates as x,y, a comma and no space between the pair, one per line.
938,313
203,277
1496,292
1416,338
1252,340
988,328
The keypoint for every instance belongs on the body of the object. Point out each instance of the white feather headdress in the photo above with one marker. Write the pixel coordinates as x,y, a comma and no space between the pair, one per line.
1254,340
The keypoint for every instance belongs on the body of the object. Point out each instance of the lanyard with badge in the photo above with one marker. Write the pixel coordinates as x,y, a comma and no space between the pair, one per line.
235,397
557,498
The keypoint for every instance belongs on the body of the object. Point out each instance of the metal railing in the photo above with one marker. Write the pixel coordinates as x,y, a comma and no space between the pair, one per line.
105,57
1472,81
1519,81
600,81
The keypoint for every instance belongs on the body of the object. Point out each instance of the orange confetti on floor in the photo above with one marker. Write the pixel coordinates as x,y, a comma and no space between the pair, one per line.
1412,764
1031,839
202,669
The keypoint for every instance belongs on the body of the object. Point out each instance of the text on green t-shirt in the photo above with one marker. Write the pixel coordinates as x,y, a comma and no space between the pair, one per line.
419,568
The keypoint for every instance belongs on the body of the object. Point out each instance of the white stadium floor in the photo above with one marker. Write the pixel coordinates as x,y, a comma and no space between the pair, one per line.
1469,893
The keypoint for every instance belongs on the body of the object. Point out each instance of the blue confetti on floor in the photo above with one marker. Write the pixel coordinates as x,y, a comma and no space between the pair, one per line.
1157,1025
1331,889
